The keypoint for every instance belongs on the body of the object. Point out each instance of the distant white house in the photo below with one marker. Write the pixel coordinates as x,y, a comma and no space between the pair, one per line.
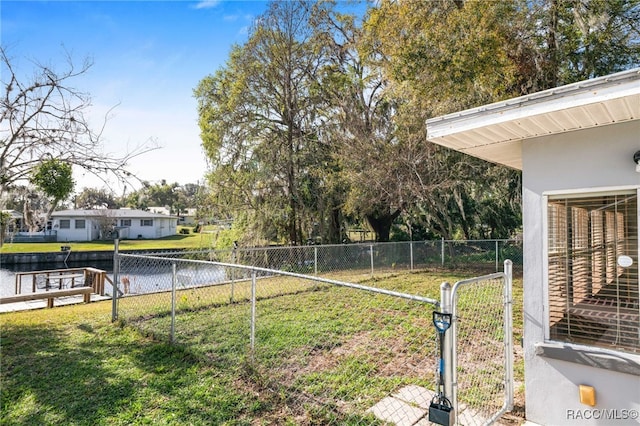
186,217
89,225
578,147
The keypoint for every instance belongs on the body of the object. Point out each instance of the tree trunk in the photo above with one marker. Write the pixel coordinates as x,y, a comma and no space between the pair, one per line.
381,224
334,234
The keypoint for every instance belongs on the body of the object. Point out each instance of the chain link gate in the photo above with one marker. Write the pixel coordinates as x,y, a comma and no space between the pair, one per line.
479,377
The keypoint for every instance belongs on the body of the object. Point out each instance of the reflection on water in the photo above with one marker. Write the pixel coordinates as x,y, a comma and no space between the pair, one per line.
141,278
134,279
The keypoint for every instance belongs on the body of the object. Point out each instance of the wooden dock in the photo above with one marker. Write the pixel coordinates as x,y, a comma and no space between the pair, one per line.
55,288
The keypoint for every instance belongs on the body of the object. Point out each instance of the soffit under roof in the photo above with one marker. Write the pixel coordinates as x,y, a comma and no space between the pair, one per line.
495,132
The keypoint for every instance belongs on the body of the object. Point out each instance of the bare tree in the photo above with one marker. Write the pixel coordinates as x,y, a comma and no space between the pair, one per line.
107,221
44,117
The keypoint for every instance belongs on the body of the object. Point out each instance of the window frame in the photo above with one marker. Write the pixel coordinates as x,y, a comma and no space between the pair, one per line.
146,222
576,194
79,222
67,222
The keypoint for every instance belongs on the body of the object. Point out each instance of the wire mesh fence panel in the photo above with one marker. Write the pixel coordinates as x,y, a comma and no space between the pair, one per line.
481,348
369,259
512,250
213,312
163,304
311,351
334,354
391,257
483,255
427,254
150,278
355,258
470,254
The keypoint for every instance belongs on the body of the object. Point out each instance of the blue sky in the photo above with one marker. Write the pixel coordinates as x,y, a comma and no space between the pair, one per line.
148,56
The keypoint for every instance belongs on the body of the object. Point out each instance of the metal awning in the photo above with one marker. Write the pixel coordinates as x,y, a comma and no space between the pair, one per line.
495,132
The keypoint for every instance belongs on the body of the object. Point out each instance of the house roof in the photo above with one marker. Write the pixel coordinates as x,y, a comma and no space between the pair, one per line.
495,132
115,213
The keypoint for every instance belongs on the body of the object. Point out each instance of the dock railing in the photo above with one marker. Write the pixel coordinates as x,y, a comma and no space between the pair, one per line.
62,278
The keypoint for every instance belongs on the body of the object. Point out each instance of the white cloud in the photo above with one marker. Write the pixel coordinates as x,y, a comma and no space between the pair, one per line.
206,4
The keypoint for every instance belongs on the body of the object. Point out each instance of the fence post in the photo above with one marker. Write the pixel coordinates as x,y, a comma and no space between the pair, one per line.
497,256
447,350
252,339
116,280
315,260
174,279
508,333
234,260
371,256
411,254
442,250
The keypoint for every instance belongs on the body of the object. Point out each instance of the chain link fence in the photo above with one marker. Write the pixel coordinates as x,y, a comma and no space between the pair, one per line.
316,350
321,335
368,259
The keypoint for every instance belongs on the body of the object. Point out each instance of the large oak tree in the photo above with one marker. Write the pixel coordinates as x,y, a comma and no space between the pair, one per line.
318,116
258,117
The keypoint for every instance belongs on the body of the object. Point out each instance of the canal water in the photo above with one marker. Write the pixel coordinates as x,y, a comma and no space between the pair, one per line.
141,280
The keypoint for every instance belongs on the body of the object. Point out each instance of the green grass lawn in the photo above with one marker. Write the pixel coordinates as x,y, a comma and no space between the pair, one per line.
72,366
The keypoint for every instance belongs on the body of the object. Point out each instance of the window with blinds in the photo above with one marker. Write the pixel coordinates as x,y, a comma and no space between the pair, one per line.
593,288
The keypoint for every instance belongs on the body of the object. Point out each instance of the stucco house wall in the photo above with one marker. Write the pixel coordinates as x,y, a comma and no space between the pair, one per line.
162,227
579,160
188,217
